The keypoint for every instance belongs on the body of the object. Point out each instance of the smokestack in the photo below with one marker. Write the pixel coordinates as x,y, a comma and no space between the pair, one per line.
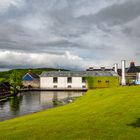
116,68
123,73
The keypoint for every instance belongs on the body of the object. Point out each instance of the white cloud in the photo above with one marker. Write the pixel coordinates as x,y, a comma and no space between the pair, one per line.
19,59
67,61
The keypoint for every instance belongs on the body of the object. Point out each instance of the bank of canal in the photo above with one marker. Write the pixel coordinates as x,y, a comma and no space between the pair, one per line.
30,102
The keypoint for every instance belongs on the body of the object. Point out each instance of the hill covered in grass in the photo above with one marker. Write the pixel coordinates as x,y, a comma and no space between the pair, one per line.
4,76
102,114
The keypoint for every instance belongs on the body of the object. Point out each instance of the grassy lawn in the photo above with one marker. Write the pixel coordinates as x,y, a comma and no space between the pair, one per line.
102,114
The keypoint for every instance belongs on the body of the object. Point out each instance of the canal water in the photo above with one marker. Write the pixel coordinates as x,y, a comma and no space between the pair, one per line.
30,102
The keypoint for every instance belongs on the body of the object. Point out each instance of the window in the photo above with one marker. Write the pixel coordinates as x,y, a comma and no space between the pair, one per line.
107,81
55,86
83,79
69,86
55,79
83,86
69,80
99,81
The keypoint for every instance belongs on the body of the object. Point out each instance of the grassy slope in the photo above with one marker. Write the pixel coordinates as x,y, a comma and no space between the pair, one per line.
100,114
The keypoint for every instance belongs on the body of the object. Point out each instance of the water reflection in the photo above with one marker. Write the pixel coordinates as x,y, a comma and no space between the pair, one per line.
15,103
55,99
30,102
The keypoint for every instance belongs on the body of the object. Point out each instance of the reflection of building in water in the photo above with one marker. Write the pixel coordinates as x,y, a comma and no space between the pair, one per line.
46,97
55,99
2,104
55,96
69,95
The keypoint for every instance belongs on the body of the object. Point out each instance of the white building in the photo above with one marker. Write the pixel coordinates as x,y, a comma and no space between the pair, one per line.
68,80
138,79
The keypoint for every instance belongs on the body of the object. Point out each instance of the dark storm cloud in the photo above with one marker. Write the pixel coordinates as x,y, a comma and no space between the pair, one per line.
115,14
84,32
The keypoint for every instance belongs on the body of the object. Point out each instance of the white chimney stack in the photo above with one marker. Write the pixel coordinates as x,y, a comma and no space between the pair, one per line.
123,73
116,68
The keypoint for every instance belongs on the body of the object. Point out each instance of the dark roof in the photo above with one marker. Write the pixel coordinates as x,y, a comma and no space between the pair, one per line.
33,75
77,73
132,68
100,69
30,76
4,87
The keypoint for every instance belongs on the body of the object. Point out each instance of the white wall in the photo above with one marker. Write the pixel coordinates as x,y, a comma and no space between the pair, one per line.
61,82
47,82
76,82
138,76
34,83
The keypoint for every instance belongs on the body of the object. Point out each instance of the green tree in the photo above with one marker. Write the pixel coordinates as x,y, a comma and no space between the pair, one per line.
15,82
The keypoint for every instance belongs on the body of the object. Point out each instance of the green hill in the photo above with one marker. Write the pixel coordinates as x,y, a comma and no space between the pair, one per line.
102,114
138,67
4,76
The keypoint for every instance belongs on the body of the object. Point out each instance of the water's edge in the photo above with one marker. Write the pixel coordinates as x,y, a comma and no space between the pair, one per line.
33,102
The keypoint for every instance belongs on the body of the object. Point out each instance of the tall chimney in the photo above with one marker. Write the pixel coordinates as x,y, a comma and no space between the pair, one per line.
123,73
116,67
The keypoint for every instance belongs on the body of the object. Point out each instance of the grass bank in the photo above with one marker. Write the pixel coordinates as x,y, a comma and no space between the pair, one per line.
103,114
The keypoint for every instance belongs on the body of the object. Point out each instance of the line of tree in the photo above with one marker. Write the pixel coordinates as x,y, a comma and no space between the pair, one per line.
15,81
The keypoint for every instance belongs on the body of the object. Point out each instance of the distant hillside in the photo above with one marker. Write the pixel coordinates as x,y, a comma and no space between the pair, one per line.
4,76
138,67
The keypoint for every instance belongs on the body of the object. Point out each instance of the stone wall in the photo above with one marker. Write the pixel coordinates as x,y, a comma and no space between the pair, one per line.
32,84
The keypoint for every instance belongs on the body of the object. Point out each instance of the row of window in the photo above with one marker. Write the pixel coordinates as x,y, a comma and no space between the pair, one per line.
69,86
69,80
99,81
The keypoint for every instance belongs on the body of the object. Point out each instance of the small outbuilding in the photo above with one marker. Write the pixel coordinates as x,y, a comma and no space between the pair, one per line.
31,80
131,72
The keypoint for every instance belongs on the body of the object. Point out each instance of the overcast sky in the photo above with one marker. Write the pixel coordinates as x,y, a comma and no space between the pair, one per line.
72,34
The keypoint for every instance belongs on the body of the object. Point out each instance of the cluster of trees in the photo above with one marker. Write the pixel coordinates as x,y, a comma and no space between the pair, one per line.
14,77
15,81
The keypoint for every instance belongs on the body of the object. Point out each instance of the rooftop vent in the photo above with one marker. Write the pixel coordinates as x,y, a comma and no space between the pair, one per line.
90,69
103,68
